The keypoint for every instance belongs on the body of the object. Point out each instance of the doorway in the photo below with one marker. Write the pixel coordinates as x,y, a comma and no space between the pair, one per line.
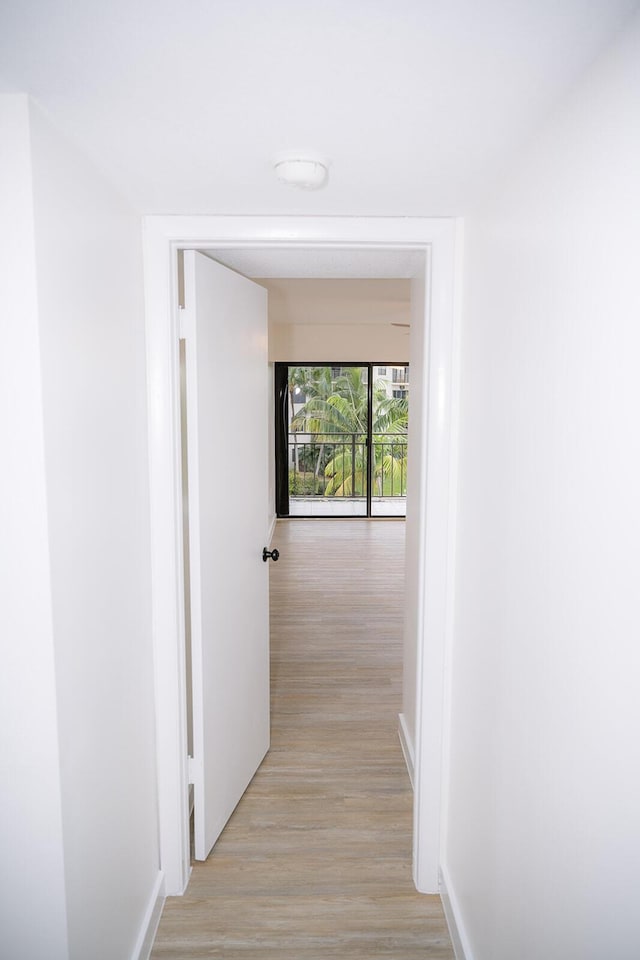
430,246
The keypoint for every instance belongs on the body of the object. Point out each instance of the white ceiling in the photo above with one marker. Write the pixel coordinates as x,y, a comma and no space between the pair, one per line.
322,262
419,104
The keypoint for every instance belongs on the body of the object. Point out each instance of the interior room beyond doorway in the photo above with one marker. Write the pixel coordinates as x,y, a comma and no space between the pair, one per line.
331,325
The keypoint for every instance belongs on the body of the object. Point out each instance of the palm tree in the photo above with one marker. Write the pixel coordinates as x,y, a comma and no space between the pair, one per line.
296,382
316,384
342,411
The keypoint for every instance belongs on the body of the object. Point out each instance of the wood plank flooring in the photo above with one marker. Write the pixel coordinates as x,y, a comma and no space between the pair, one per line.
315,862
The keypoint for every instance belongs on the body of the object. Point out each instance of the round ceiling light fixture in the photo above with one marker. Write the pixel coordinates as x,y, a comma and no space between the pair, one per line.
304,170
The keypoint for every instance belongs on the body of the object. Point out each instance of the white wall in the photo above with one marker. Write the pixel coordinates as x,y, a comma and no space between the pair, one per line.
319,342
33,920
88,278
543,847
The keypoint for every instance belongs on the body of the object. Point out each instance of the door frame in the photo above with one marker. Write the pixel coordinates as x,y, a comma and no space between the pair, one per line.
434,351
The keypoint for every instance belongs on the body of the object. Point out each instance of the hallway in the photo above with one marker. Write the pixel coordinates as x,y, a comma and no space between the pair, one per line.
315,863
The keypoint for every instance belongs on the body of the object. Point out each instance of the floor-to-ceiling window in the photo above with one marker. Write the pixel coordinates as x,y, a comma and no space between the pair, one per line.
341,439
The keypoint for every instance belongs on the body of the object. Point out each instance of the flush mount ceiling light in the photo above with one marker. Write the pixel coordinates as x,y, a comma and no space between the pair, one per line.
304,170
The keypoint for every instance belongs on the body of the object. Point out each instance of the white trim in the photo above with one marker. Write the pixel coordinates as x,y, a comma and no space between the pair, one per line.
167,567
149,928
453,487
272,529
436,522
163,236
451,907
406,742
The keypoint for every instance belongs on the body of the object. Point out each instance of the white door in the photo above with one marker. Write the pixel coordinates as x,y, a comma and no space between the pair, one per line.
225,329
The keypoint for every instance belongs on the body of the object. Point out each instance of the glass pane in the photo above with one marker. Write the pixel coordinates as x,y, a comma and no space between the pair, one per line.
328,441
389,441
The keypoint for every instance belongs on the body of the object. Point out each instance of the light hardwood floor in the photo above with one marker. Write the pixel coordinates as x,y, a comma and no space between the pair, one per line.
315,863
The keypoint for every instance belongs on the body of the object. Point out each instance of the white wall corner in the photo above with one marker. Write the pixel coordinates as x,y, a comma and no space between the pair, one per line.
151,920
406,742
455,923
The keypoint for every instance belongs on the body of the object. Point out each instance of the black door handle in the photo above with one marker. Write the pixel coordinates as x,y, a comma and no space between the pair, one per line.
274,554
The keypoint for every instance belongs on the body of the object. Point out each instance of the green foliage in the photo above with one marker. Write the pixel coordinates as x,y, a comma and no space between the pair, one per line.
335,414
303,484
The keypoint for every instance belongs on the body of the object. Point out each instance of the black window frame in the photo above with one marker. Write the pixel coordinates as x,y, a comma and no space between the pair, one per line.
281,432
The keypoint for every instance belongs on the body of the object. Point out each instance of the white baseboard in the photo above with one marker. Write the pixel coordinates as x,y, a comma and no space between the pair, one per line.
151,920
406,742
457,932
